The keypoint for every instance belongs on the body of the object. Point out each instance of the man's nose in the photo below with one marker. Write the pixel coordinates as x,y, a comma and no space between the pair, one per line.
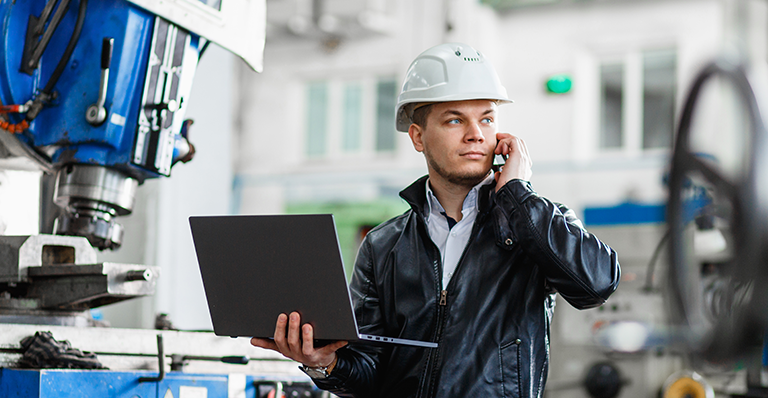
474,133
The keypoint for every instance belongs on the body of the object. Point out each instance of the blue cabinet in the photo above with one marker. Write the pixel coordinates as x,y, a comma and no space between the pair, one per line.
65,383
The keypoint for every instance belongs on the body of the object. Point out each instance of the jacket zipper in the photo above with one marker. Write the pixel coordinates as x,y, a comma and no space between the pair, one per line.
434,356
430,370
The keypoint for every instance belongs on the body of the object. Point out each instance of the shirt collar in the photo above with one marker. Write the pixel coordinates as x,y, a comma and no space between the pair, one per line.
469,202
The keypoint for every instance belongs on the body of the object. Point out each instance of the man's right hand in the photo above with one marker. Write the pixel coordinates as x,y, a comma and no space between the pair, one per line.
299,346
518,164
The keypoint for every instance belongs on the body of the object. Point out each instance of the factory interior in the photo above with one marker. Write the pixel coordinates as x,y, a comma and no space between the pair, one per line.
121,119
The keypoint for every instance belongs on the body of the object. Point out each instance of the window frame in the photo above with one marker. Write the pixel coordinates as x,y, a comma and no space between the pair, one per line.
632,129
335,147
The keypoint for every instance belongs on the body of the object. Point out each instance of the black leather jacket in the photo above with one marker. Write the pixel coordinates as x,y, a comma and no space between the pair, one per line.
492,321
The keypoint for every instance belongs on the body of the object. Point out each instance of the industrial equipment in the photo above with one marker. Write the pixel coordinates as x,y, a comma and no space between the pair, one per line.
718,308
94,95
717,220
735,321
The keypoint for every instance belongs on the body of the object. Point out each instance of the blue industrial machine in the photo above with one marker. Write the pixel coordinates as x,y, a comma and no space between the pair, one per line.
95,89
65,383
94,93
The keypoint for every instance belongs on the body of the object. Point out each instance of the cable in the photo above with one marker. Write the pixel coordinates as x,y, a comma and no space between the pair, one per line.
12,109
65,57
47,93
31,61
652,263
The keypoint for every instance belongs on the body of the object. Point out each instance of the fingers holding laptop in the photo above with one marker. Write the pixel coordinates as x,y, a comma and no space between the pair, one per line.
296,341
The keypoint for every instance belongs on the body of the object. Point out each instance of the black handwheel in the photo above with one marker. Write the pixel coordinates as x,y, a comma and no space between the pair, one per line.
742,202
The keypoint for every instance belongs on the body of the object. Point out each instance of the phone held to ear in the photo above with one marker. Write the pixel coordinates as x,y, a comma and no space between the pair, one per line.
498,162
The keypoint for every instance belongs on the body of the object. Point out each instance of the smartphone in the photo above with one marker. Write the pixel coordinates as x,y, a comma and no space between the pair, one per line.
498,162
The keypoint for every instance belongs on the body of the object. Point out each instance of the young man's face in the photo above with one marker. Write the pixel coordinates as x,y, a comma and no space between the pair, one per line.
458,140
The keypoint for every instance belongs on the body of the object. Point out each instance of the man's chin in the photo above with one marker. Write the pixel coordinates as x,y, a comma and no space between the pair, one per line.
467,175
468,179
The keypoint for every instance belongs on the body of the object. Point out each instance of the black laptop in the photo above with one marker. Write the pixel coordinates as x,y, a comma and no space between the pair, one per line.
257,267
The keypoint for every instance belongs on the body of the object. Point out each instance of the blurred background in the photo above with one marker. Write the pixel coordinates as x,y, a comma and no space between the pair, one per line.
598,87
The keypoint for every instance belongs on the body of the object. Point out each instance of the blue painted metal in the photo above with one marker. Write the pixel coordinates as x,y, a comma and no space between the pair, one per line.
625,213
66,383
63,123
629,213
19,384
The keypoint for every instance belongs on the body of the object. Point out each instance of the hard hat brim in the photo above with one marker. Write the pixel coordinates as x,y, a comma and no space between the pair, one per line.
403,120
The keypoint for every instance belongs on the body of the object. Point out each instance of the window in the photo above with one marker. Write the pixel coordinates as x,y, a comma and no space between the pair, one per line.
658,99
317,111
350,117
611,104
386,94
215,4
637,101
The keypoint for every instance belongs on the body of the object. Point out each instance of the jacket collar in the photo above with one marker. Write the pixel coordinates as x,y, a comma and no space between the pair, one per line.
416,196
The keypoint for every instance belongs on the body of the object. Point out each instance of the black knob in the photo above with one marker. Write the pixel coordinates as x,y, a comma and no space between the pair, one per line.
603,380
106,52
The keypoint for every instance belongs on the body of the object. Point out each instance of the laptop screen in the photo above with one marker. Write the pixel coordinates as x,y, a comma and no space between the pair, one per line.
256,267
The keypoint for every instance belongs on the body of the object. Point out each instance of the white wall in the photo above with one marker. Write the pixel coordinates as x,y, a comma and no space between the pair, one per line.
19,196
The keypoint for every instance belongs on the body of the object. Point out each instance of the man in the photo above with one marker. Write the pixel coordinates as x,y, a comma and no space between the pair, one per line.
473,265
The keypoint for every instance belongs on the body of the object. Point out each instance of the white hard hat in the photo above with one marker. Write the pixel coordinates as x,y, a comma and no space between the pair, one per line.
448,72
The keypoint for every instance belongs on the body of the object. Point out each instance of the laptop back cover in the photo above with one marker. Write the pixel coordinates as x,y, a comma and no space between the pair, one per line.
256,267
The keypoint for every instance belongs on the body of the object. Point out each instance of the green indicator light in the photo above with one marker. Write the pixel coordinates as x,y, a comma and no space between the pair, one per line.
559,84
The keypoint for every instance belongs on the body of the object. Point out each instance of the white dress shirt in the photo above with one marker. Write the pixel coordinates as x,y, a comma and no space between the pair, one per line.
451,240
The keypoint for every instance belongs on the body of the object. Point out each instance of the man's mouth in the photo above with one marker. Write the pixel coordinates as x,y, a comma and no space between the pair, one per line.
473,155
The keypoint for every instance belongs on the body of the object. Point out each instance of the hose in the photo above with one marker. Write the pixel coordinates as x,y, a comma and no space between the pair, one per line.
67,55
648,288
13,127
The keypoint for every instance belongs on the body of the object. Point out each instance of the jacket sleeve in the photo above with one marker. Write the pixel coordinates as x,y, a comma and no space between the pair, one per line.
584,270
355,373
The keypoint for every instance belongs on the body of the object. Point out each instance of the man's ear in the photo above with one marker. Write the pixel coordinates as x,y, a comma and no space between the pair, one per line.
415,131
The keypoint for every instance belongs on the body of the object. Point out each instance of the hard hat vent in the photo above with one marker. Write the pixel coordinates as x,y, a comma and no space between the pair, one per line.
468,59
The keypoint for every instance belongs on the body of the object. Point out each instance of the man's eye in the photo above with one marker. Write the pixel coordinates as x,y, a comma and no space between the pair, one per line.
487,120
454,121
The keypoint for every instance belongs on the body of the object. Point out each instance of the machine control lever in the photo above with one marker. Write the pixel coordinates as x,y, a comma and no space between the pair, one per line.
160,363
97,113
